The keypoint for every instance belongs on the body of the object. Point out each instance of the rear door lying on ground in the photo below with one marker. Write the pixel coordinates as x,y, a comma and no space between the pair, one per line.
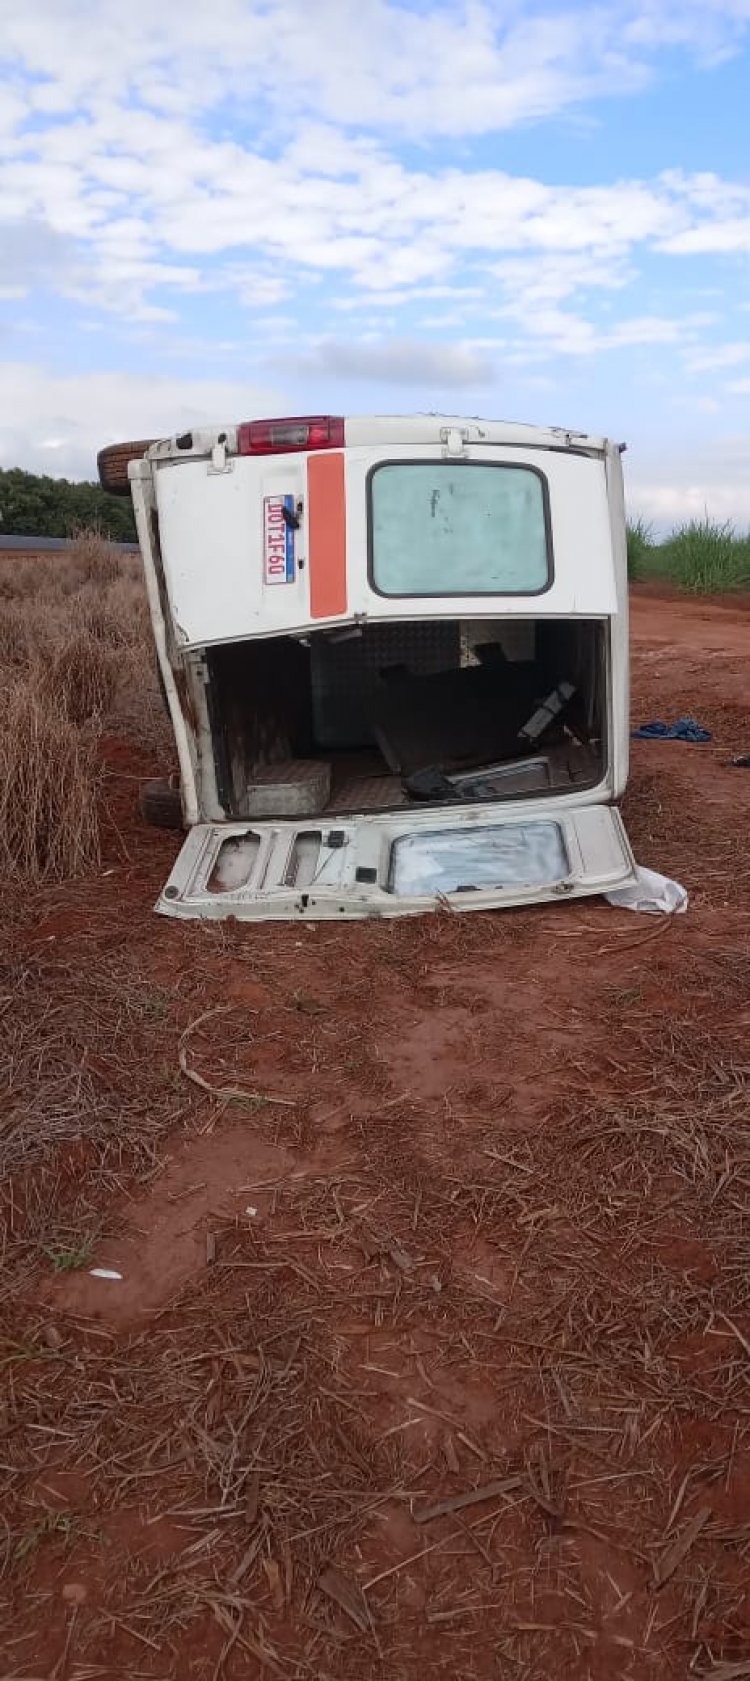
397,865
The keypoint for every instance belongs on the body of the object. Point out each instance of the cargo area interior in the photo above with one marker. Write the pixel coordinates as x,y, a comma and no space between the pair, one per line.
387,716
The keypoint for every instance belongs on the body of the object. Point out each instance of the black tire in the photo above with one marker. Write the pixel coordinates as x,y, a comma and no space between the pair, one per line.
160,803
112,464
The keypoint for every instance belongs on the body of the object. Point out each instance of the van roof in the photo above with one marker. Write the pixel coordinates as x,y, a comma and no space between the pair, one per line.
424,427
380,431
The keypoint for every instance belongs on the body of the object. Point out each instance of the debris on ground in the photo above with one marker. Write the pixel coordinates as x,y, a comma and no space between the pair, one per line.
651,893
683,729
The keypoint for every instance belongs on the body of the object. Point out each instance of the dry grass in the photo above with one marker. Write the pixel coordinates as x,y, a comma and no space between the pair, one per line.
118,615
52,578
80,678
72,1034
49,782
16,634
294,1417
95,559
19,579
75,657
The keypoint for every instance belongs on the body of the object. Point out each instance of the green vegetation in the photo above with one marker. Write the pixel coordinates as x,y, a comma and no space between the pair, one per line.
72,1259
700,555
708,558
32,505
61,1528
640,546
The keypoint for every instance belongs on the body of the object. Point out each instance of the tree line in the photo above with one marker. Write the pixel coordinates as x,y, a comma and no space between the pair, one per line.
34,505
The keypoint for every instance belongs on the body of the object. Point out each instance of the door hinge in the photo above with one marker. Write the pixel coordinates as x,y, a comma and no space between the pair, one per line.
220,462
454,440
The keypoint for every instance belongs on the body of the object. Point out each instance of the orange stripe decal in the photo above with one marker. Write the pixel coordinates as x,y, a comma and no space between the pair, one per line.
326,528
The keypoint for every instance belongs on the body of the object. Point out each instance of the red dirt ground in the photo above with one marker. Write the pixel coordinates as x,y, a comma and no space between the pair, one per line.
485,1229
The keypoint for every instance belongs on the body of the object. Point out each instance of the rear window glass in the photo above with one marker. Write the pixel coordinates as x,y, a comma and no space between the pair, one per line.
458,528
508,856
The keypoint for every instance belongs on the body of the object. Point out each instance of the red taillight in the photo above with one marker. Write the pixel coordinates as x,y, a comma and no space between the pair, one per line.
276,437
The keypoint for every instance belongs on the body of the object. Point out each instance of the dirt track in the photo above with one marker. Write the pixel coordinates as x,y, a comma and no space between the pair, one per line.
488,1228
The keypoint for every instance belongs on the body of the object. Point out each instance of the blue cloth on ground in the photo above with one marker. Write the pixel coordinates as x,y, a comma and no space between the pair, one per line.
683,729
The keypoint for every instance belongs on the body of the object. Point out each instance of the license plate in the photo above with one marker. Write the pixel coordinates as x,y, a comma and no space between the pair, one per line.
278,540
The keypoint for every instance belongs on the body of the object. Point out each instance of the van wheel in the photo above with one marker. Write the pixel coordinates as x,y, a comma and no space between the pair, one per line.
160,803
112,464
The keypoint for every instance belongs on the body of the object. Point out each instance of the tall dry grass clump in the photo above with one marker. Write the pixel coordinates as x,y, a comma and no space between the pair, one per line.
49,783
18,579
80,677
75,658
16,634
95,559
117,616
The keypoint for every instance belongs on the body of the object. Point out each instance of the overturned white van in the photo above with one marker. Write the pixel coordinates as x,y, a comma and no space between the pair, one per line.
395,655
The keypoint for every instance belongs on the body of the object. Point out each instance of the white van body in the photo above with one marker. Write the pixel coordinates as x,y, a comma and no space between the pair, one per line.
395,654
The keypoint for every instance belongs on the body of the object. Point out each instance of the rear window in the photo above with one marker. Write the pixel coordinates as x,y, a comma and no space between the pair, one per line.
458,528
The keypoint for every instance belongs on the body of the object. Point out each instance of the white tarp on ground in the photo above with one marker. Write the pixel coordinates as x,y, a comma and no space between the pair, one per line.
652,893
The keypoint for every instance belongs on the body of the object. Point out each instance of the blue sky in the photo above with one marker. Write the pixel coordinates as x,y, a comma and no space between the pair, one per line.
530,211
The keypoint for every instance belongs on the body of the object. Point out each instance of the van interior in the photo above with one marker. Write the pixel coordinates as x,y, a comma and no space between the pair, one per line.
378,717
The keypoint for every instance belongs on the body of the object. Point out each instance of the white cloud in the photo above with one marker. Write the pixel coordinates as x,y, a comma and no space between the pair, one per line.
388,229
712,238
170,143
455,70
31,251
467,296
56,423
254,288
690,483
710,31
452,71
546,328
184,167
715,357
550,278
411,362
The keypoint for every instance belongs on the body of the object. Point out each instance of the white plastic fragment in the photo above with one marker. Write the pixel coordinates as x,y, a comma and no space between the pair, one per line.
251,1211
651,893
105,1272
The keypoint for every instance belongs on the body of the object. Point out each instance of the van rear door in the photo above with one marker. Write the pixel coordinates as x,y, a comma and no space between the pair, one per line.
275,544
399,864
